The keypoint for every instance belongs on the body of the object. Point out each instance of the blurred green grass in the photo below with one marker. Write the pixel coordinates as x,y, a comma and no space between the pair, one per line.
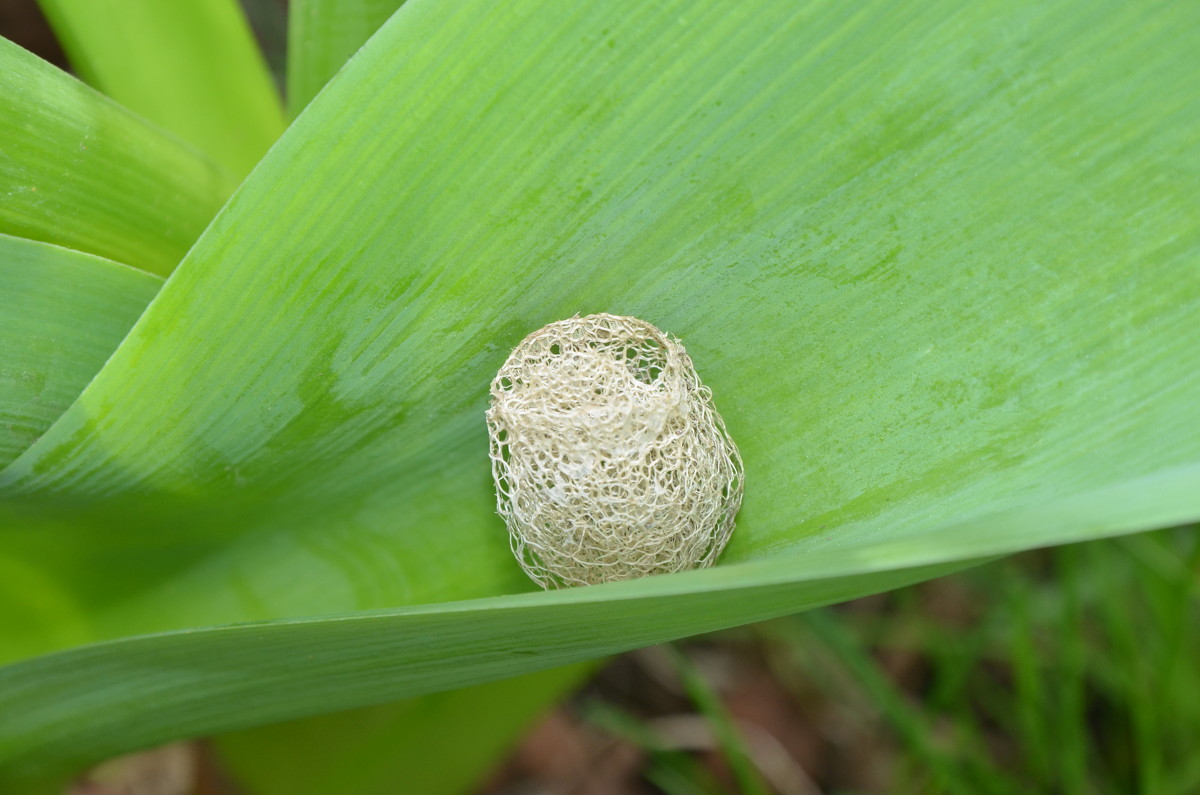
1070,670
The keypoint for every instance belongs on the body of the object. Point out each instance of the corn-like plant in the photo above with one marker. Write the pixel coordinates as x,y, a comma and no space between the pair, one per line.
938,262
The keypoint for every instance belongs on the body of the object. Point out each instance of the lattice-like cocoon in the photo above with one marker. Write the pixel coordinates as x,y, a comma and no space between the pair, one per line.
609,458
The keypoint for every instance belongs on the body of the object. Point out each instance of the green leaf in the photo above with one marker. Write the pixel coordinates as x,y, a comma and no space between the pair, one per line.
80,171
78,706
442,742
191,66
62,313
89,703
322,35
937,262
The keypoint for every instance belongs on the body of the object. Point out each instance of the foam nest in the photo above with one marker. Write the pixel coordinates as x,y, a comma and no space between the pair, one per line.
609,458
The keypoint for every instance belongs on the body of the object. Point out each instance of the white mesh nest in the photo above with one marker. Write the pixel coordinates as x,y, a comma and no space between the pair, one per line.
609,458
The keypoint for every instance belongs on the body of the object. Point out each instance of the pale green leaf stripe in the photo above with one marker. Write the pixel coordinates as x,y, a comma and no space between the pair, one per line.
936,261
80,171
322,35
75,707
191,66
62,314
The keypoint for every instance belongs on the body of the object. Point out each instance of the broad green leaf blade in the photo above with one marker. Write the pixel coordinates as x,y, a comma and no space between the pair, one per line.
894,336
80,171
936,261
62,715
322,35
443,742
62,313
191,66
82,705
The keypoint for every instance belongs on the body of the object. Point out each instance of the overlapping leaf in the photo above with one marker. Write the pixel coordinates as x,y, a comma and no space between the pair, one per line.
80,171
62,313
322,35
190,66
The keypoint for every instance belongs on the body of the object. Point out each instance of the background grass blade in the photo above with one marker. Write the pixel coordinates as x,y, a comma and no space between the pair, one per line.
80,171
729,740
931,300
62,313
322,35
955,676
191,66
